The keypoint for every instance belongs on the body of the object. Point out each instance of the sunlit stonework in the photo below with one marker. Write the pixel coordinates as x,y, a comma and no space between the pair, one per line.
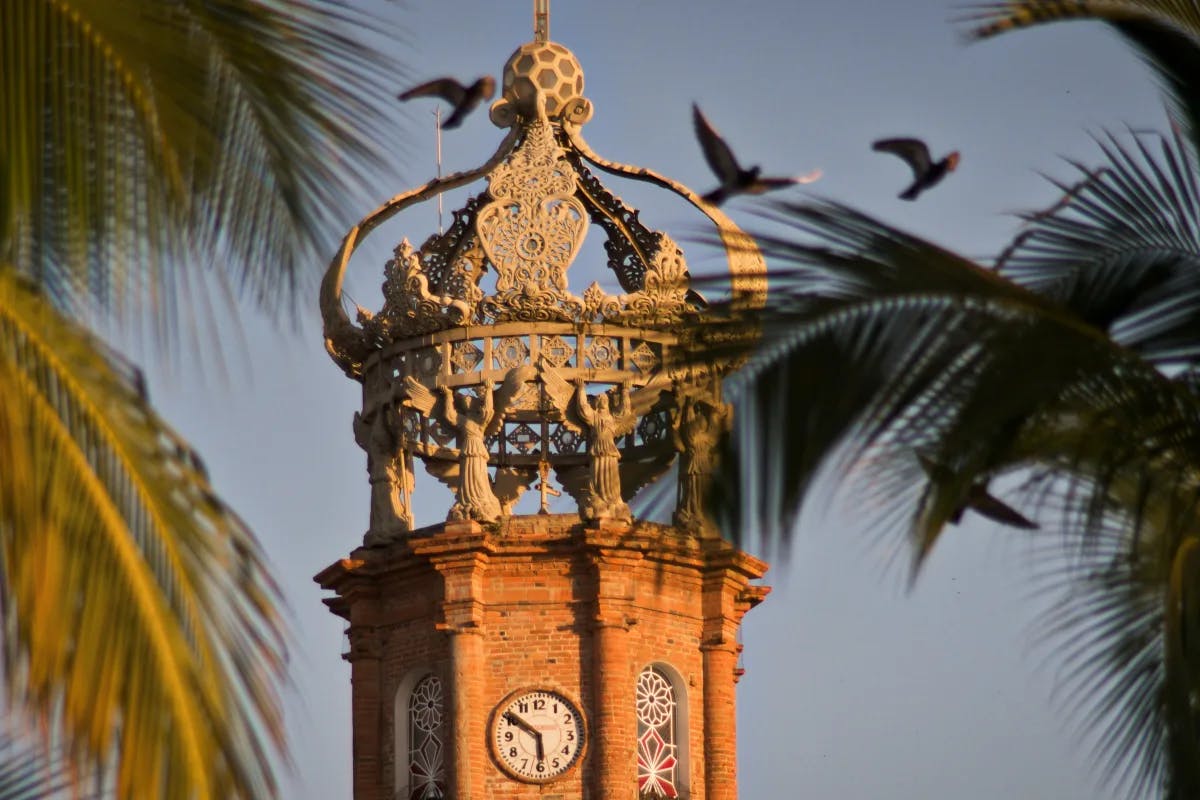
488,366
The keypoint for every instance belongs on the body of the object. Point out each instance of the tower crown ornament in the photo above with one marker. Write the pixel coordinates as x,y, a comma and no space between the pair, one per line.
488,366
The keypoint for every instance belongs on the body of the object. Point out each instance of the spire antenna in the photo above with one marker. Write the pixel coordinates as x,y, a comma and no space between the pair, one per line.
541,20
437,125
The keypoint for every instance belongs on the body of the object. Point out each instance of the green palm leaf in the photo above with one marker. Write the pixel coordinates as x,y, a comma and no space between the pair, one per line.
1122,250
138,615
1165,32
143,141
881,355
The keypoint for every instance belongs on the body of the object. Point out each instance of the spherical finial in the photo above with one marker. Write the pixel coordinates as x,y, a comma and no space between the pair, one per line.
548,67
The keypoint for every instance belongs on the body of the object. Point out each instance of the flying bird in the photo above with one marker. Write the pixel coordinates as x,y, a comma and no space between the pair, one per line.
463,98
735,180
979,500
926,172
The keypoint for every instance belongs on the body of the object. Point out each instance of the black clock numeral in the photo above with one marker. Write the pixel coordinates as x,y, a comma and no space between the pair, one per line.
555,709
566,751
567,718
508,736
523,708
554,764
512,752
570,736
541,766
525,764
539,705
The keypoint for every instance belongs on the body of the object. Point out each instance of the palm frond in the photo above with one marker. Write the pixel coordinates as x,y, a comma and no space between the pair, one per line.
145,141
1165,32
139,616
1122,250
30,770
914,375
911,336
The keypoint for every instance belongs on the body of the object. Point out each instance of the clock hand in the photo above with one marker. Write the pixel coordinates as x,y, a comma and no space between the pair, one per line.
522,723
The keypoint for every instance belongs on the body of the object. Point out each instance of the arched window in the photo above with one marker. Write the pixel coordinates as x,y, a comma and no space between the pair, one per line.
662,735
420,735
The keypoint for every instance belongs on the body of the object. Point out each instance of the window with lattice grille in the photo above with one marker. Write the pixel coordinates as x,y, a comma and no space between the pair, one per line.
658,749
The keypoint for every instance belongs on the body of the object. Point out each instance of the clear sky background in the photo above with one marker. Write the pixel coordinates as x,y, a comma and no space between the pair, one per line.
856,688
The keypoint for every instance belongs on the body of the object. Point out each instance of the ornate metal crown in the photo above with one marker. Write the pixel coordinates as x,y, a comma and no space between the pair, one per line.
483,362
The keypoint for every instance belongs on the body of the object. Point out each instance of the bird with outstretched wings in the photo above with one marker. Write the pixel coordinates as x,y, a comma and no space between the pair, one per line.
926,172
462,98
734,179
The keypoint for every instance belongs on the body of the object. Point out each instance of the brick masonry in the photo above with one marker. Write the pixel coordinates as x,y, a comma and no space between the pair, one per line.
545,601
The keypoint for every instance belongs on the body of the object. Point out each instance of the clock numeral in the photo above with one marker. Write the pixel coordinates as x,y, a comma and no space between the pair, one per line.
523,708
555,709
508,737
555,763
570,736
567,719
566,751
541,766
525,764
539,705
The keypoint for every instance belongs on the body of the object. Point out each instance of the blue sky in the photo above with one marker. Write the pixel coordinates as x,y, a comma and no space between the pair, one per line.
856,687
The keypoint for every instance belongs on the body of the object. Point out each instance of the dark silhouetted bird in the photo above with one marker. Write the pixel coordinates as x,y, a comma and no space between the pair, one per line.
463,98
734,179
926,172
978,499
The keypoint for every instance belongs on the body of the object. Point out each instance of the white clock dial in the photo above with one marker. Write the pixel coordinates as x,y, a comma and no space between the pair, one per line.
537,735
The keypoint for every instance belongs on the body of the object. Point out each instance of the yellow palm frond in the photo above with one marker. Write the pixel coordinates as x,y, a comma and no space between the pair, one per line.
138,613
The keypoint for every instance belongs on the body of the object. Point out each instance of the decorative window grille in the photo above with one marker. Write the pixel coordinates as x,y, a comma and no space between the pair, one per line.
426,763
658,756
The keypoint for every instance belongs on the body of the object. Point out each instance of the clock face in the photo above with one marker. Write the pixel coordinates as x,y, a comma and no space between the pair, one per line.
537,735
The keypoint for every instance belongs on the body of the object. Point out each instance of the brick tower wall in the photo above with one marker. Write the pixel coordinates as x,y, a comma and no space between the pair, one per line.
545,601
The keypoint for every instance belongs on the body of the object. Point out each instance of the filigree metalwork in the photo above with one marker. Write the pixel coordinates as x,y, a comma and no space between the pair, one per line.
465,356
644,358
426,763
556,350
509,352
524,438
532,230
628,242
603,353
452,261
663,296
410,307
599,304
490,297
566,440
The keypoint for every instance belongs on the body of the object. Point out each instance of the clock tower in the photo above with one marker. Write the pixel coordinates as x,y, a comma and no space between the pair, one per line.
527,646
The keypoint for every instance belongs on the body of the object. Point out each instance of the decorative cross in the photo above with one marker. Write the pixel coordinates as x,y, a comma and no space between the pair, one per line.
545,488
541,20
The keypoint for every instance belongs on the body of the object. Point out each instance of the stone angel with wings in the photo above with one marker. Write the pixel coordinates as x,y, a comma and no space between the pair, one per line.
602,419
472,419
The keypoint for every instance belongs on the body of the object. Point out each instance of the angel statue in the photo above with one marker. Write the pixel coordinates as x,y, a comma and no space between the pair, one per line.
389,471
605,425
472,419
695,432
602,422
